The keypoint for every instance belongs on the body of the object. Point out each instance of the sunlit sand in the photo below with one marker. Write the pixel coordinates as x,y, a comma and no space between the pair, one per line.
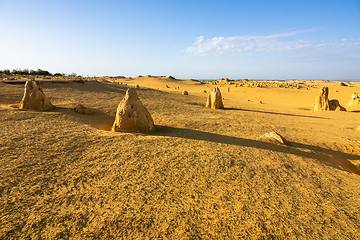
204,173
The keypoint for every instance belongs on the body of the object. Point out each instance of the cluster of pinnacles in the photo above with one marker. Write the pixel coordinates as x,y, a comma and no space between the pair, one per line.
132,115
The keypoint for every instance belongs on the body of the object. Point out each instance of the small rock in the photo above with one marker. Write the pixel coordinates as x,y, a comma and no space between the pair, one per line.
276,136
79,108
334,105
342,84
185,92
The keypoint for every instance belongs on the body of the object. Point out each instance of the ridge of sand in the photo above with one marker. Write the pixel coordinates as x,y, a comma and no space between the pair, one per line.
204,174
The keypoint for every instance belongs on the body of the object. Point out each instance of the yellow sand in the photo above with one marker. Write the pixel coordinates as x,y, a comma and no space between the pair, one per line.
204,174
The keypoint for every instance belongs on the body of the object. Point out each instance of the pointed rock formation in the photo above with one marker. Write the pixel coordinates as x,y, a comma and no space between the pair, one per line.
214,99
354,100
131,115
34,97
322,100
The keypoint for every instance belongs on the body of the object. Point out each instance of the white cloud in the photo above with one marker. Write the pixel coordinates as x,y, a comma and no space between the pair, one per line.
271,43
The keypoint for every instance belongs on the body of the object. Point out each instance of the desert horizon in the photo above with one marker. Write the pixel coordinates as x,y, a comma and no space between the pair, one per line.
203,173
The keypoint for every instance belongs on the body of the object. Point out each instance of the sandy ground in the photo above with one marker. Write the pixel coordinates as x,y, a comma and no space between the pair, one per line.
204,174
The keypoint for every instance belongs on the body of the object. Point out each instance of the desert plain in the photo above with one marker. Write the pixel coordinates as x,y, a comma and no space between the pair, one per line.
203,174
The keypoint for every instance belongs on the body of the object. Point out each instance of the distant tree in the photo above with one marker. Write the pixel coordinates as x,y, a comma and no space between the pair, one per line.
25,71
59,74
43,72
19,71
6,72
15,71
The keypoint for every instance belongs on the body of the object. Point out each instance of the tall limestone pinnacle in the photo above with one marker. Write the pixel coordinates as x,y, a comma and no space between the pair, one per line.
322,102
131,115
34,97
214,99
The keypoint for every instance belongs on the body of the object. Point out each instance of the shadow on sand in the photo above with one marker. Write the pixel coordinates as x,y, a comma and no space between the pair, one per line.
330,157
98,119
89,87
276,113
340,160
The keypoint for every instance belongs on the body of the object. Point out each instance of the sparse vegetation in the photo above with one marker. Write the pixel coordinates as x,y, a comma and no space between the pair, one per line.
59,74
38,72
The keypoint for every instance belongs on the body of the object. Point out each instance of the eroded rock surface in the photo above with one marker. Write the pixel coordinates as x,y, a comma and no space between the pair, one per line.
79,108
322,102
275,136
214,99
354,100
34,97
131,115
334,105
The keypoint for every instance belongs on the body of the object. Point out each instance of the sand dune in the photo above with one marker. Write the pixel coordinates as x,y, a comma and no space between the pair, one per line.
204,174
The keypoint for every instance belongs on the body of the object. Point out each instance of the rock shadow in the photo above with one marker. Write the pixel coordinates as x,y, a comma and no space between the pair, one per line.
91,86
336,159
98,119
276,113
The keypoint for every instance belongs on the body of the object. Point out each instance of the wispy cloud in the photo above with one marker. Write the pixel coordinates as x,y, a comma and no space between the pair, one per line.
271,43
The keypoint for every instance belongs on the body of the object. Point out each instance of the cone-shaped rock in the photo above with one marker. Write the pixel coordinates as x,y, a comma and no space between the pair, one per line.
34,97
214,99
322,100
131,115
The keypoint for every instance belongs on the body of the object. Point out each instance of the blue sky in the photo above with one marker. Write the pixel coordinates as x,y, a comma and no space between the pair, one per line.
286,39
